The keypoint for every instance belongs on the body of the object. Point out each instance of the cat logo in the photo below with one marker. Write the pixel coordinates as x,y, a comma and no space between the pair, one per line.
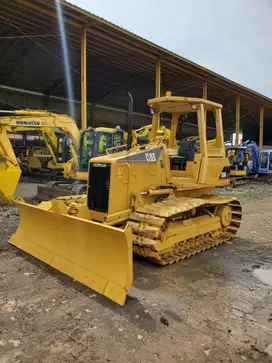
150,157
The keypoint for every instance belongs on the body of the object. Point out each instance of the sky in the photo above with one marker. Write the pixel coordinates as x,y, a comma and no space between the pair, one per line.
229,37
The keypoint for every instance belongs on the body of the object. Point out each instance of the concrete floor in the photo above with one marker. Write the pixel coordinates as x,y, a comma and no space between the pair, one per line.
26,190
214,307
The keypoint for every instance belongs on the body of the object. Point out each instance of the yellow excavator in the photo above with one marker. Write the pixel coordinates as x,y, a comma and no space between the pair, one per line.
154,200
28,120
93,142
46,155
143,135
30,148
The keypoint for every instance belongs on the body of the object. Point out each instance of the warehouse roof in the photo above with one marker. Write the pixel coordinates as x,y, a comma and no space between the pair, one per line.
118,61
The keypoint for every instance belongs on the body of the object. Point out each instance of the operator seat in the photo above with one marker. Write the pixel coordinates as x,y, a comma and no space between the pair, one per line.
186,152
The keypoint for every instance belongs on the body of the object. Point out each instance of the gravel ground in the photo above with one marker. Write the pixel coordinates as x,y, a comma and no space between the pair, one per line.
214,307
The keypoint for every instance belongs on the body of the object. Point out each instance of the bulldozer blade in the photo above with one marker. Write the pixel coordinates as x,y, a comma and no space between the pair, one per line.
97,255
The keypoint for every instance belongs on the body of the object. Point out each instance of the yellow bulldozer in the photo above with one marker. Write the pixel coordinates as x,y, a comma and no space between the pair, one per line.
95,142
154,200
27,121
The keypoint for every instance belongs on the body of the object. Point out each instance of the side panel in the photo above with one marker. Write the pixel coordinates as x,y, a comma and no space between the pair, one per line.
211,171
96,255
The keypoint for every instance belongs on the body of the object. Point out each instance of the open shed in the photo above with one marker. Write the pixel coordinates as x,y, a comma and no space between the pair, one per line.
106,62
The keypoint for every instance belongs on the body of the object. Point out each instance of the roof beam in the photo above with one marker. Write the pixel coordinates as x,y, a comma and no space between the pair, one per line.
49,13
111,38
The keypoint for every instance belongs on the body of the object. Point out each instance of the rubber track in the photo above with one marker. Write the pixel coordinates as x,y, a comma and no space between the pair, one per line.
191,247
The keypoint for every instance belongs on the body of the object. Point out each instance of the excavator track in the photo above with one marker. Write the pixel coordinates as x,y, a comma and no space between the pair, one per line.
152,249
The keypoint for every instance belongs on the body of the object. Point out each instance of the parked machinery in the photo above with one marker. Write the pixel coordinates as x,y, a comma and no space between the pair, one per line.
265,168
143,135
244,162
43,152
27,121
155,200
95,142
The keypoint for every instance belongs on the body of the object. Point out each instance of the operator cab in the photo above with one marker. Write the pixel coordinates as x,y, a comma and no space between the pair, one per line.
238,157
62,151
195,160
265,162
186,152
95,142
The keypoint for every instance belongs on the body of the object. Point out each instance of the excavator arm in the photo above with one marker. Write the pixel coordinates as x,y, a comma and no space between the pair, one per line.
40,120
10,170
28,120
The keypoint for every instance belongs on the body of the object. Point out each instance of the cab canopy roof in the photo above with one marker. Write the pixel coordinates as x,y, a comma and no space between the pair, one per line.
177,104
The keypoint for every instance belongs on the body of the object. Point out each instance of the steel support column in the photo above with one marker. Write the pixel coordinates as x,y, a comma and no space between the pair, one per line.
261,128
205,95
83,80
158,78
205,90
158,89
237,129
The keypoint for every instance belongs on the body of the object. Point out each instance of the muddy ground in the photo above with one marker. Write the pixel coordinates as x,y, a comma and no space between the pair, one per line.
214,307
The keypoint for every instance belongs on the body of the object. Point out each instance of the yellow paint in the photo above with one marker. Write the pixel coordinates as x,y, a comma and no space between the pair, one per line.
205,90
94,254
84,80
172,213
158,78
261,128
174,124
162,133
71,168
238,173
28,120
158,87
237,119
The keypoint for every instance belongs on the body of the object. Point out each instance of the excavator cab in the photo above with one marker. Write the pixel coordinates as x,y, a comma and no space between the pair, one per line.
244,162
95,142
142,135
238,158
265,162
62,151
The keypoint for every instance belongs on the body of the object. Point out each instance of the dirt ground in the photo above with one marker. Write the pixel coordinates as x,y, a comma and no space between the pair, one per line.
214,307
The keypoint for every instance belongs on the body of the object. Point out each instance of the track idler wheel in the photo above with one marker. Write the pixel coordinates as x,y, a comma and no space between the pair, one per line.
225,214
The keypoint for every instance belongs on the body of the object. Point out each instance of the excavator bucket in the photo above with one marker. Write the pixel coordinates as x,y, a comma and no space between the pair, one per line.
92,253
9,180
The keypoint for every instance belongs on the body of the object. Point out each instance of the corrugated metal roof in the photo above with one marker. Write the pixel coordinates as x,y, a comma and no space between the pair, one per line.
118,61
157,47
